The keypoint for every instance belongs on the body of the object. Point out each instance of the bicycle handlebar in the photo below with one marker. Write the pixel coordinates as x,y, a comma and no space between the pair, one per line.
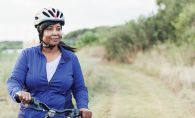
37,103
33,99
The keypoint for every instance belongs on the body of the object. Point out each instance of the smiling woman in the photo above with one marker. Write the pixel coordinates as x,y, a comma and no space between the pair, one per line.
50,72
52,34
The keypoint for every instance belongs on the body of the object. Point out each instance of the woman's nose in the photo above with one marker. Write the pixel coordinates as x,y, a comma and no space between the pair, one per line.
55,32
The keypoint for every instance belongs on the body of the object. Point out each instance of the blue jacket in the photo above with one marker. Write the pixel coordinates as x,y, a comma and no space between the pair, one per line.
29,74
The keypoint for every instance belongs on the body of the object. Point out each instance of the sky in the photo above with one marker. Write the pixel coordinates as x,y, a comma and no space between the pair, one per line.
17,16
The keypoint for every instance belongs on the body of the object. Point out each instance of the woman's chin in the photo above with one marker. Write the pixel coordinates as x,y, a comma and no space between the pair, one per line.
53,43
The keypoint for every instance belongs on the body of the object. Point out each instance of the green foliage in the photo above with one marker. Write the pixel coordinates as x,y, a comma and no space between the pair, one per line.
2,47
70,41
10,45
101,33
184,25
75,34
73,38
130,38
174,22
87,38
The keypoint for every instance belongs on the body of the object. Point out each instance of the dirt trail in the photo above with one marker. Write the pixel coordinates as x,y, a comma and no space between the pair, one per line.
132,94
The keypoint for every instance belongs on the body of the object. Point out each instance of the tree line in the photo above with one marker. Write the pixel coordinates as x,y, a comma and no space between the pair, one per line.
11,45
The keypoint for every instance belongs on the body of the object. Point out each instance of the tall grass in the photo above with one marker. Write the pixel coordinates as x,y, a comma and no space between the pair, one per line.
7,62
9,108
173,65
91,71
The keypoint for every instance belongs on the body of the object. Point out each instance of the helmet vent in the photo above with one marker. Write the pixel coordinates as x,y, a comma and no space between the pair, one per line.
54,10
36,18
61,15
58,13
51,13
45,14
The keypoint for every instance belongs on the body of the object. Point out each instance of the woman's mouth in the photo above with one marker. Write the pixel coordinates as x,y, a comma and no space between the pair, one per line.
55,39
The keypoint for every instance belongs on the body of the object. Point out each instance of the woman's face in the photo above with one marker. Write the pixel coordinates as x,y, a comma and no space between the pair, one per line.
52,34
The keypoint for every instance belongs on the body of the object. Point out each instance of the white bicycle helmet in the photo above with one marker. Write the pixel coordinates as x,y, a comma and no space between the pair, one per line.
49,14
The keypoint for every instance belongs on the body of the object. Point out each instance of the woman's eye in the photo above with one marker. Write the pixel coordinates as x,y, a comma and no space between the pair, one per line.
49,28
59,29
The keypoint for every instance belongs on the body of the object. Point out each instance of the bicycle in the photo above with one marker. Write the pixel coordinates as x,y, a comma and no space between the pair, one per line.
50,111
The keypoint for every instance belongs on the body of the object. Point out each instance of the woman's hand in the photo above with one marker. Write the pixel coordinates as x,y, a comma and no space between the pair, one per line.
24,97
85,113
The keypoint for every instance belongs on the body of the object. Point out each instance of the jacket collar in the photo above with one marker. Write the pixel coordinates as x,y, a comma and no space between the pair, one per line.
64,53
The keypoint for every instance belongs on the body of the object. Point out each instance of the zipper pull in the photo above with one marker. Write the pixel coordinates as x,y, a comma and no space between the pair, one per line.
48,83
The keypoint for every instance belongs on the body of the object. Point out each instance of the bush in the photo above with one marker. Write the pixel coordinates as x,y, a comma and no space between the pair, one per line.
184,25
128,39
86,38
146,32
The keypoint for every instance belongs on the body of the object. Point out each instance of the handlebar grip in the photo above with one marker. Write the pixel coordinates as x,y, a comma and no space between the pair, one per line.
16,96
80,113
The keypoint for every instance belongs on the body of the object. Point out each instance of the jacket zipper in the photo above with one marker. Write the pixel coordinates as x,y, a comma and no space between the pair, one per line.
47,83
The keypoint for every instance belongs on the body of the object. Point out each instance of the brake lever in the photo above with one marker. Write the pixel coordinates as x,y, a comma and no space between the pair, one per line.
37,108
75,112
45,106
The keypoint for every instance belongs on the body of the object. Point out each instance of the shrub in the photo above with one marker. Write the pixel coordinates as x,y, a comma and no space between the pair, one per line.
184,25
146,32
86,38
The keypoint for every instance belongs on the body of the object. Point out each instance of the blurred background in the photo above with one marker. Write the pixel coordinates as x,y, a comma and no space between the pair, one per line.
137,57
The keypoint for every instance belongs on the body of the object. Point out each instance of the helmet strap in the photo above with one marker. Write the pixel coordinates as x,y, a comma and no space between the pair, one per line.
47,45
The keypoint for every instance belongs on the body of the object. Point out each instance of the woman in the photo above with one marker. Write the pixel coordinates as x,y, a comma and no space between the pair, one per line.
50,72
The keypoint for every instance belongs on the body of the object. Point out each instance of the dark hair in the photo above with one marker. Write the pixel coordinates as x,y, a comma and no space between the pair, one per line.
44,25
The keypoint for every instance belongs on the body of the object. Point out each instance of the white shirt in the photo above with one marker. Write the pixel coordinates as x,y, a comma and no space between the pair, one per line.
51,67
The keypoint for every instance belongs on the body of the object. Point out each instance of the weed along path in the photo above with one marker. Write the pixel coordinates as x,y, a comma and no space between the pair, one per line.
127,93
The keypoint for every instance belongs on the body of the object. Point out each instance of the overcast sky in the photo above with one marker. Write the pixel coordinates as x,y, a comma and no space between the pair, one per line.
17,16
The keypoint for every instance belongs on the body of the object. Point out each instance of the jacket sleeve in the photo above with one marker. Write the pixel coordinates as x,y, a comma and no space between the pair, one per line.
79,89
18,75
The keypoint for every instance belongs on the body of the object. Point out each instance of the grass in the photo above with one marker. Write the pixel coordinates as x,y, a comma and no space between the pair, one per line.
91,72
10,109
173,65
134,94
7,62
